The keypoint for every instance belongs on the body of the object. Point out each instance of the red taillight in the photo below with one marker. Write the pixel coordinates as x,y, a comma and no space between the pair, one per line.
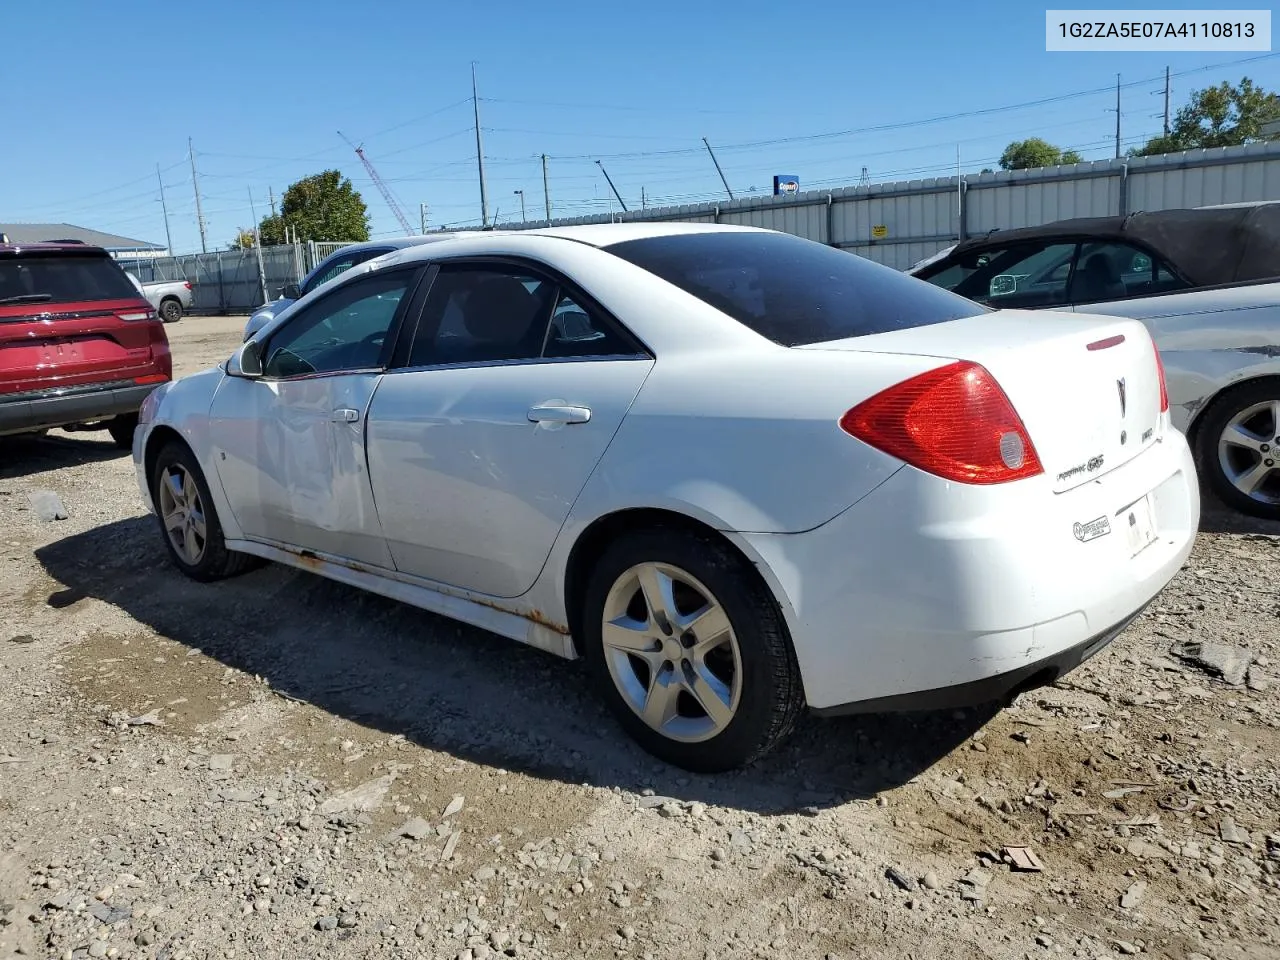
187,284
954,422
137,315
1164,390
151,378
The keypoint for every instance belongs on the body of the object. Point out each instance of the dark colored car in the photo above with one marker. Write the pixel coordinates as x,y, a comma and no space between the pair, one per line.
79,346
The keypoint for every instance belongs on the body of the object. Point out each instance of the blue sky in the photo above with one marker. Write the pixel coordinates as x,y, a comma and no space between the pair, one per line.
99,93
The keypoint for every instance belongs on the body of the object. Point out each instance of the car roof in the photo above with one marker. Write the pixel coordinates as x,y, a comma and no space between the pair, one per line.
605,234
15,249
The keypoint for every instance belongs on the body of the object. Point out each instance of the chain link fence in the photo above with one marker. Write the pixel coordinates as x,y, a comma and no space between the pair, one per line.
230,281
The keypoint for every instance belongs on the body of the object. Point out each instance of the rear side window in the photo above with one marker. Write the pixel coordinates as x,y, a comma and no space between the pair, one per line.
62,278
794,291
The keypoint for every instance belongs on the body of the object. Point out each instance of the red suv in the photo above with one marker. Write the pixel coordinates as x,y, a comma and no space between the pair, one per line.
79,346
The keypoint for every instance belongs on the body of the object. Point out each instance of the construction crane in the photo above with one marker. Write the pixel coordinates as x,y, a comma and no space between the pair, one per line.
382,187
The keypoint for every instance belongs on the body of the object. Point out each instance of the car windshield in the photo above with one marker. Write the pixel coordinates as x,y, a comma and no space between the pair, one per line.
793,291
32,277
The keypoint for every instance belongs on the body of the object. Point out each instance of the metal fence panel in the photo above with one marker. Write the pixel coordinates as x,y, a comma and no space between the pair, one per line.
227,281
901,223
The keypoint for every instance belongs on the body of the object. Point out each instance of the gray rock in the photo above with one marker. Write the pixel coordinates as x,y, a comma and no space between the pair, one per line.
1219,659
484,874
98,949
327,923
931,881
455,806
1258,681
367,796
22,638
222,761
654,802
1133,896
47,505
1127,948
450,845
1230,833
416,829
899,879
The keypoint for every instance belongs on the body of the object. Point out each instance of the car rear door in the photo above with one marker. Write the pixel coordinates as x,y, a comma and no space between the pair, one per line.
513,386
70,318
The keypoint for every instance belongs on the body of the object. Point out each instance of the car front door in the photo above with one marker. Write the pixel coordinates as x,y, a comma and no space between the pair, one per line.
289,446
514,386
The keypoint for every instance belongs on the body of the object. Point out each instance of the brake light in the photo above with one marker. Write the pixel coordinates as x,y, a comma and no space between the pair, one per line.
954,422
187,284
1164,390
139,315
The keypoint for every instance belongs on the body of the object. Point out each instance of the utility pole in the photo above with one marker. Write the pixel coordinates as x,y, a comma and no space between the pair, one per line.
475,103
644,203
718,170
422,213
164,208
520,194
257,246
1166,101
546,194
195,183
621,203
1117,116
271,195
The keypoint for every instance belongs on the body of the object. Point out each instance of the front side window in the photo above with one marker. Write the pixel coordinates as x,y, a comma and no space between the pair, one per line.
1018,276
790,290
346,330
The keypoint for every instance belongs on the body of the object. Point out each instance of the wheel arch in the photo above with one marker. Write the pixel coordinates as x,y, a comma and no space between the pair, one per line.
1224,392
595,538
159,437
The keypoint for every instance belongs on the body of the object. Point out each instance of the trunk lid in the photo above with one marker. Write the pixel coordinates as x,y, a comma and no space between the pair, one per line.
1087,387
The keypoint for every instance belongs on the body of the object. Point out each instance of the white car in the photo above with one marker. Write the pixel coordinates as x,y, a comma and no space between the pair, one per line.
739,472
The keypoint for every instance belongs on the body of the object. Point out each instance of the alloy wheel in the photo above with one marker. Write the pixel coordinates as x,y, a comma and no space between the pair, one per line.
672,652
183,513
1247,451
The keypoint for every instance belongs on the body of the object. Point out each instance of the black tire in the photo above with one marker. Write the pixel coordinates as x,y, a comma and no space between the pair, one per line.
170,310
121,430
216,562
771,698
1209,431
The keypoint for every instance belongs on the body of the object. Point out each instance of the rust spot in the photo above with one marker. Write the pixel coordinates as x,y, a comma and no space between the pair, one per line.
316,564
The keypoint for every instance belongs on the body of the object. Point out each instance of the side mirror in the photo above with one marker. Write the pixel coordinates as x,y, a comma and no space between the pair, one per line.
291,291
246,362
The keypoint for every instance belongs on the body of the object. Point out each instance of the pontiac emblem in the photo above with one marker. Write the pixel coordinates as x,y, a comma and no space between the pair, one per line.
1123,399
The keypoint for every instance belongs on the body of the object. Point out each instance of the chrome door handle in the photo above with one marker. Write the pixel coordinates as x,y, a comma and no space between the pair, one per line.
346,415
559,413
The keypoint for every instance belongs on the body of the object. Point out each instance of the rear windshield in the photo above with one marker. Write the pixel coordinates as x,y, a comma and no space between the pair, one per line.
62,278
794,291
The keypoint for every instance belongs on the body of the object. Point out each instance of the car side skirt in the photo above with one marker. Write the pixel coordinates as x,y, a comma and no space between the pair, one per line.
503,617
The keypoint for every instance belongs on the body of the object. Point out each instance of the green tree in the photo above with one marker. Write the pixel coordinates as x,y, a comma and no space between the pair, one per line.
323,206
1223,116
1034,152
243,240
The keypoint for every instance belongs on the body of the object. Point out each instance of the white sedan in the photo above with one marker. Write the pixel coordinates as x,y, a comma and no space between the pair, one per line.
739,472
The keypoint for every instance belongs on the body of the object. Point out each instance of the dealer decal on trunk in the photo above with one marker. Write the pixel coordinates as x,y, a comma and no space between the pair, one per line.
1092,530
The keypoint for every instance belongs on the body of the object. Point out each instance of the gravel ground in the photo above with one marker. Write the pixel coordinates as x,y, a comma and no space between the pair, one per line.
280,766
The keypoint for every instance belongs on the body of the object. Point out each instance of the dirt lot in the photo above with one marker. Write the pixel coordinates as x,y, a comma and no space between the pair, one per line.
276,766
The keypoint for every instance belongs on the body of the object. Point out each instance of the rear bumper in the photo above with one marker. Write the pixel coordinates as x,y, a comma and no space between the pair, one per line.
924,586
1000,688
21,413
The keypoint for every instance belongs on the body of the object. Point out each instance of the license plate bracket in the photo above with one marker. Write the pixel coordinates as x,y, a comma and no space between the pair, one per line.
1138,520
